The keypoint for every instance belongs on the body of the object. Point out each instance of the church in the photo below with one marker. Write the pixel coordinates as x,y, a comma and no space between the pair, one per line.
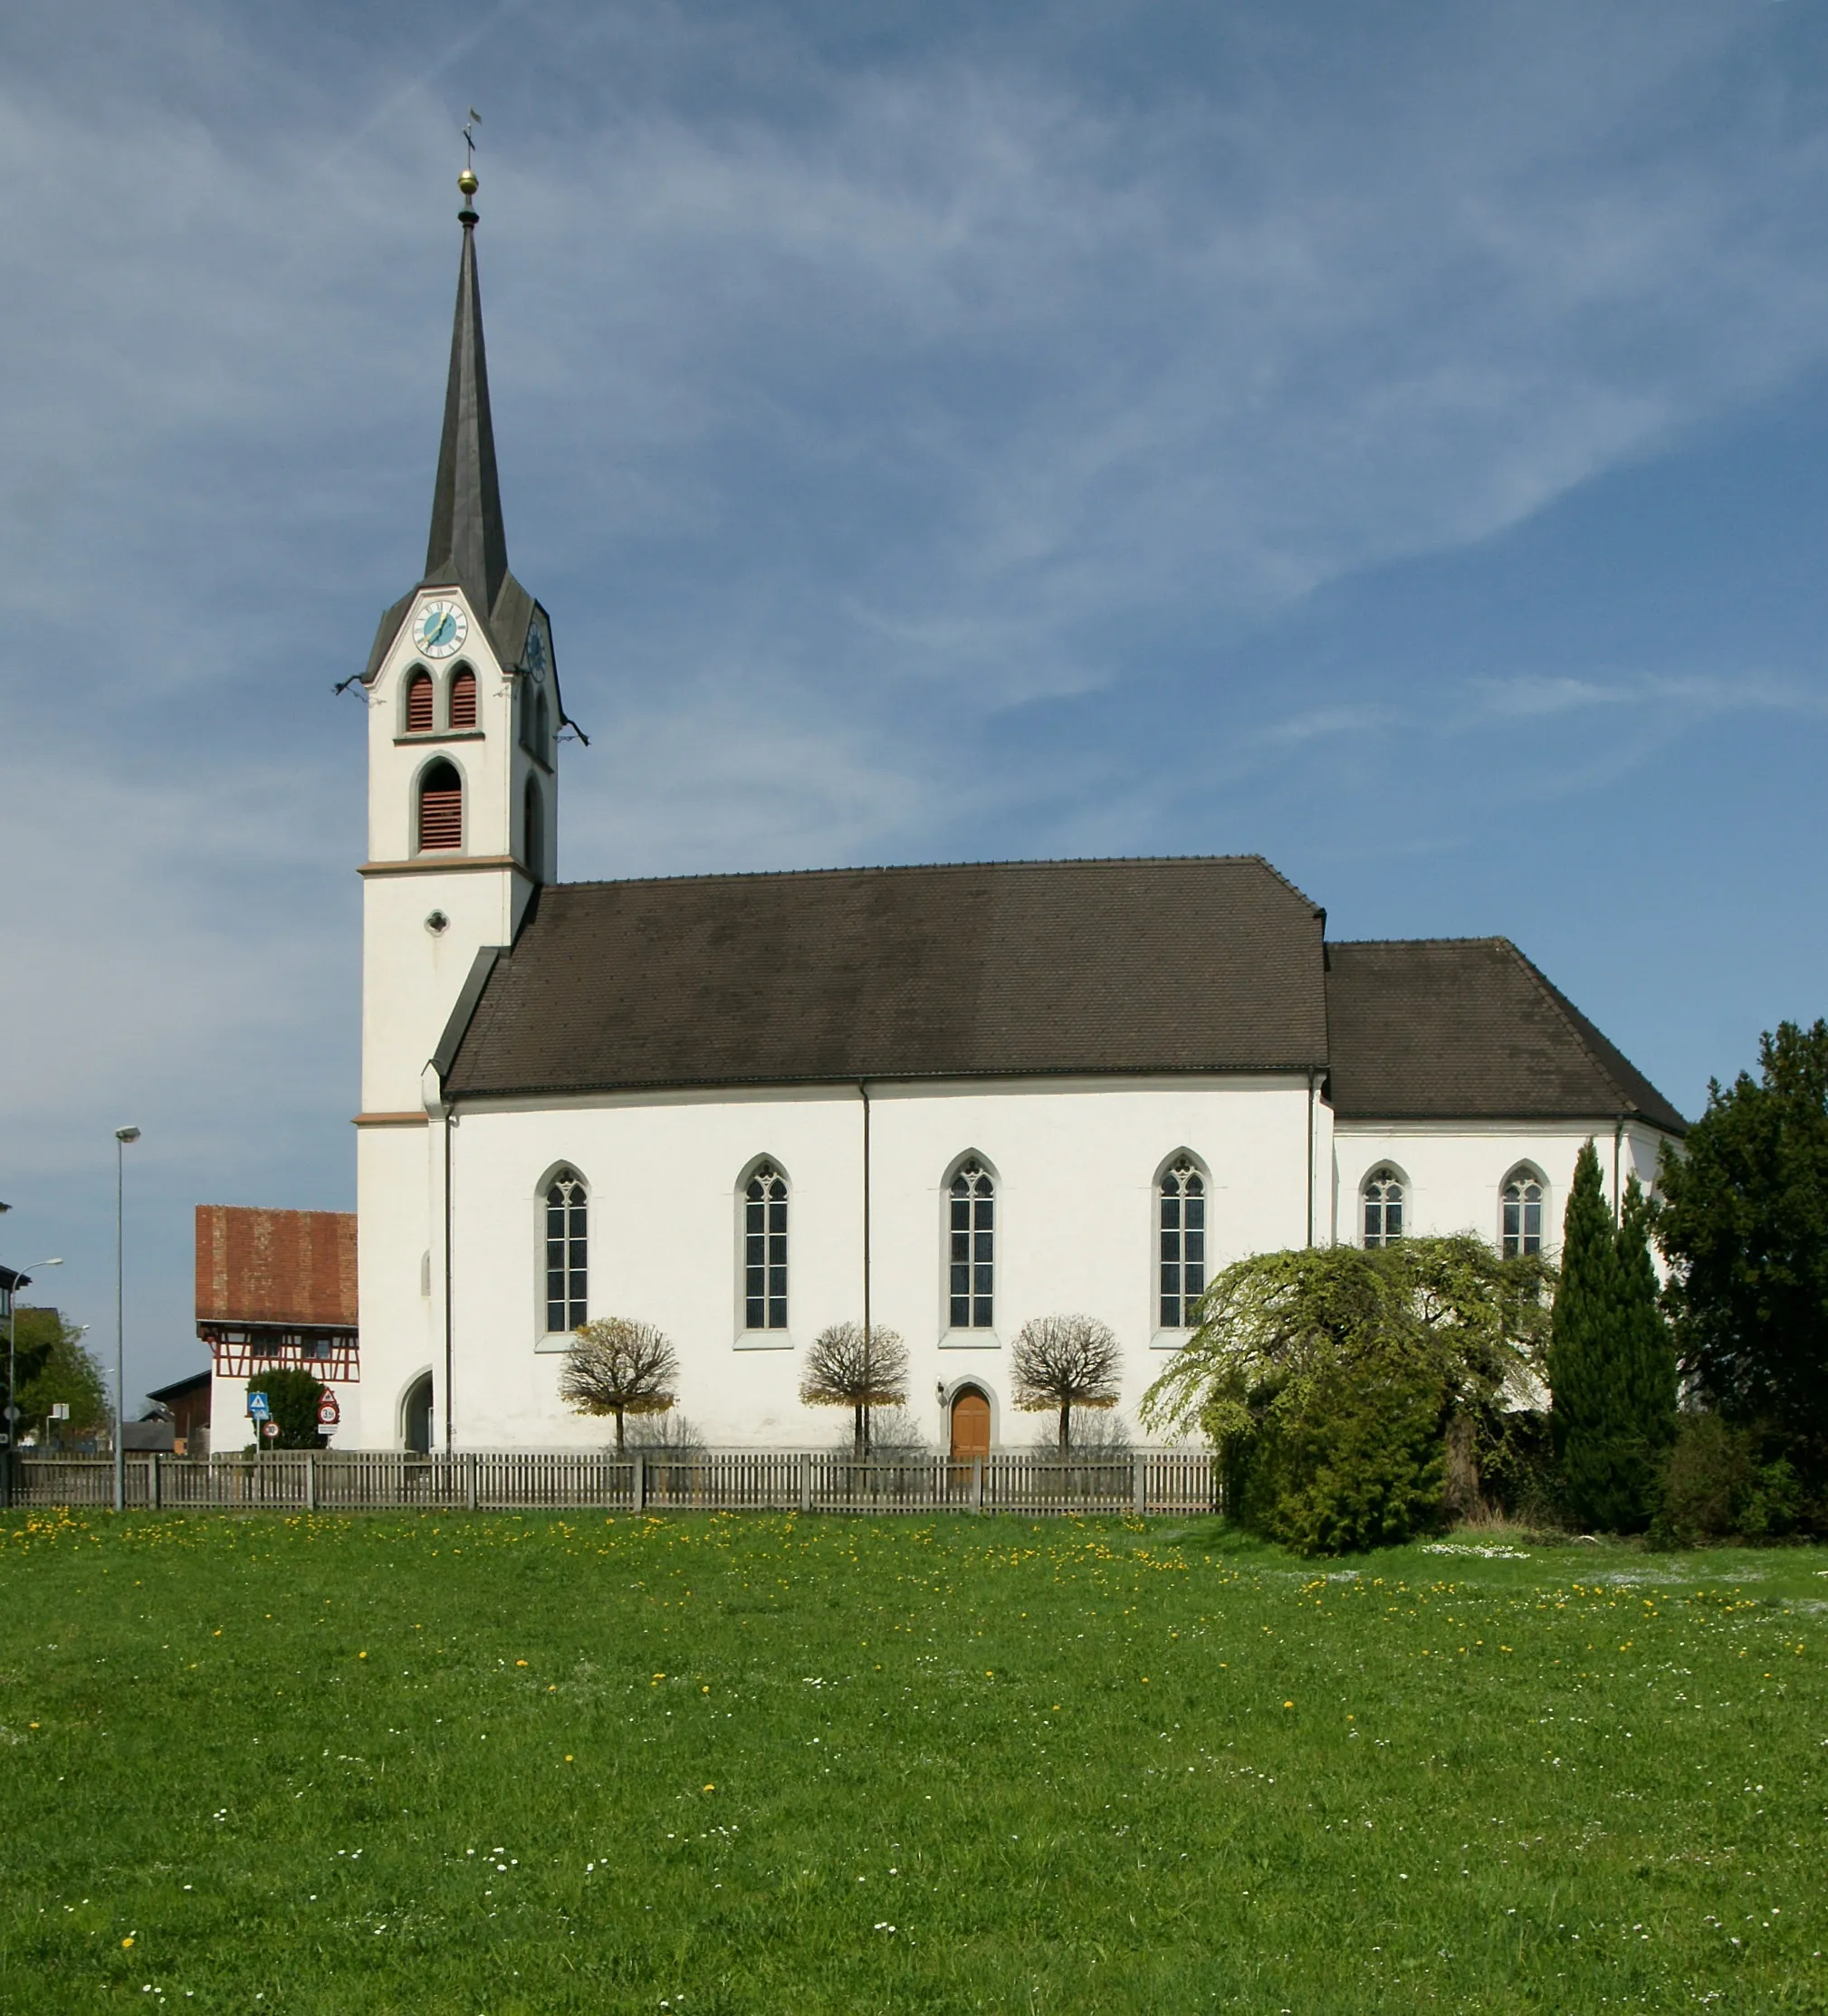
941,1099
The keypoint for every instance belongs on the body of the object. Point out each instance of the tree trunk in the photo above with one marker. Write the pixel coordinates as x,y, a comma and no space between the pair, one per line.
1066,1426
859,1433
1462,1494
618,1430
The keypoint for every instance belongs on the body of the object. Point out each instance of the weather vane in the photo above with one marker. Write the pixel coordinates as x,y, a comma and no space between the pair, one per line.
467,181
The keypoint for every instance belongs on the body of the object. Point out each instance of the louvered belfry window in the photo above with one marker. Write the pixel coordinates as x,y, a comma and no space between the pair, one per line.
764,1250
464,698
419,704
971,1264
441,809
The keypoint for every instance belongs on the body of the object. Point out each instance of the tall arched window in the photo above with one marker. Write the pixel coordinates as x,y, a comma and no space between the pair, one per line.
464,698
534,830
1181,1216
420,703
441,808
764,1250
568,1252
543,728
1383,1200
974,1250
1522,1215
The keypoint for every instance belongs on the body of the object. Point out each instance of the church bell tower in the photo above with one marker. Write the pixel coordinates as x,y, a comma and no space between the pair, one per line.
464,716
463,719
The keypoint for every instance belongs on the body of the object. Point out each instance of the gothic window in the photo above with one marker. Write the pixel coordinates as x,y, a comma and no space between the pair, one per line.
1383,1200
441,808
568,1252
1181,1216
420,720
464,698
764,1250
543,728
1522,1214
972,1263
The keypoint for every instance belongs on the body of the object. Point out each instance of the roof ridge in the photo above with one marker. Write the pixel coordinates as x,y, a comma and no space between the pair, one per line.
938,867
1334,945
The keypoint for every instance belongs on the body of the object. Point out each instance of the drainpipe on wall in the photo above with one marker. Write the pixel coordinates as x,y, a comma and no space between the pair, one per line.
1310,1157
863,1093
450,1319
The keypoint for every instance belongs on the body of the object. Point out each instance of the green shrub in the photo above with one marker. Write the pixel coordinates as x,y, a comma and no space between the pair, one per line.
1358,1461
1726,1482
291,1396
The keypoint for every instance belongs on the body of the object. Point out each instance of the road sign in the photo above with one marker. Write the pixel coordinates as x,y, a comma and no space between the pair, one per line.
60,1410
268,1429
329,1412
257,1409
11,1413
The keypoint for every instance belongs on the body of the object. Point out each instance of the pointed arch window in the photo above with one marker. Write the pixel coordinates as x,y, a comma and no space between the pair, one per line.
1181,1219
568,1252
441,808
543,728
1383,1201
464,698
421,704
972,1262
1521,1217
765,1249
533,831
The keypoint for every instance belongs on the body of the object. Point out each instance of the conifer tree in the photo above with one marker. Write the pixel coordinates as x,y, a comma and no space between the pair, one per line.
1650,1349
1603,1354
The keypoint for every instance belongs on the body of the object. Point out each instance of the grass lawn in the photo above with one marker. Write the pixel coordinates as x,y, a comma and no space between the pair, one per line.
761,1764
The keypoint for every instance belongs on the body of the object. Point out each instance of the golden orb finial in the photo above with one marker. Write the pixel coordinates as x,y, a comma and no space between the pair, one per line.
468,183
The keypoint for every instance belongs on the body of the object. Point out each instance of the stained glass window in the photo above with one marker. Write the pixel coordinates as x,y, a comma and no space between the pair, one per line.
764,1250
973,1256
1181,1218
568,1252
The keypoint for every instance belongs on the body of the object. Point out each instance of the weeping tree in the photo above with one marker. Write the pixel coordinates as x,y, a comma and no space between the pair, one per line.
1332,1379
620,1366
859,1367
1061,1362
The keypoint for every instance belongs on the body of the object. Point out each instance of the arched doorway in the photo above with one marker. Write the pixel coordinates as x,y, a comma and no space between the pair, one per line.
416,1416
971,1424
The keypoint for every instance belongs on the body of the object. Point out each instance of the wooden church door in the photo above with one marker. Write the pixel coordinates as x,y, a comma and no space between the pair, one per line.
970,1426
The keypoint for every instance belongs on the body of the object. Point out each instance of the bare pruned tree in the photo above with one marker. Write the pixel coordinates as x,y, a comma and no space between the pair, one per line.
1061,1362
617,1366
851,1366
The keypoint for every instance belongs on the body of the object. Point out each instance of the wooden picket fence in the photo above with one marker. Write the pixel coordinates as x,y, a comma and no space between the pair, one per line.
717,1480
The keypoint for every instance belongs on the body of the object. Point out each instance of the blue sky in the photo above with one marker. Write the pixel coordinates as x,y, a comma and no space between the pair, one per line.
1392,439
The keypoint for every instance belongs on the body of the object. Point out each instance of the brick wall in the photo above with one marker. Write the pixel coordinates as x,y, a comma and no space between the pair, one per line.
257,1266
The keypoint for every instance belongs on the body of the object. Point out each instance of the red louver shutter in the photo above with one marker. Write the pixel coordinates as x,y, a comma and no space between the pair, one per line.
419,704
440,816
464,700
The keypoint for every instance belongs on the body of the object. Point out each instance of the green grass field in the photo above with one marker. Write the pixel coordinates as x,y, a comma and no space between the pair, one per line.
764,1763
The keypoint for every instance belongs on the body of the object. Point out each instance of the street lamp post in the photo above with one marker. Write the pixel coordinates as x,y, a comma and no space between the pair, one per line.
123,1135
20,1281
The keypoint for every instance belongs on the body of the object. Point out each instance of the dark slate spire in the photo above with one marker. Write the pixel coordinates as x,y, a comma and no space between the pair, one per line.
469,544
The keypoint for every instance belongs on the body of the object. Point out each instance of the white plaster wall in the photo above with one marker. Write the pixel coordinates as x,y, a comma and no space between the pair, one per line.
1075,1165
1454,1172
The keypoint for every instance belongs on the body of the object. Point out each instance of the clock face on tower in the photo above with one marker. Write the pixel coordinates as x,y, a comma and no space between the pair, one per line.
534,655
441,629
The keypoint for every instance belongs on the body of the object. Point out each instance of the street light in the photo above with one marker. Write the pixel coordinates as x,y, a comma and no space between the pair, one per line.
20,1281
123,1135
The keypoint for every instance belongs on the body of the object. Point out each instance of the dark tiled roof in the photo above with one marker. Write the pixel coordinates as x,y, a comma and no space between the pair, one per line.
1003,969
1467,1029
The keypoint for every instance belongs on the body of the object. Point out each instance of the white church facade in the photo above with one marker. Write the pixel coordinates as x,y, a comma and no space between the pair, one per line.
942,1099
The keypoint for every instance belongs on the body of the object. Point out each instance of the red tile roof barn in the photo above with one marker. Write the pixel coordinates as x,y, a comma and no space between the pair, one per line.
255,1266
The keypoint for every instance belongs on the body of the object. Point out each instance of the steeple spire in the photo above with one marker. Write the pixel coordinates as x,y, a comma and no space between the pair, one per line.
469,544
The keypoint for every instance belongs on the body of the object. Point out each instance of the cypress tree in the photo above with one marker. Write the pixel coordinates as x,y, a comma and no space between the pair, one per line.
1600,1446
1649,1350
